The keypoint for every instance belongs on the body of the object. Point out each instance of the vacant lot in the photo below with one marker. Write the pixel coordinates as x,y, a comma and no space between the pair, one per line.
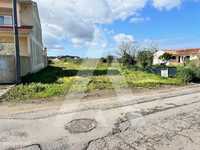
70,76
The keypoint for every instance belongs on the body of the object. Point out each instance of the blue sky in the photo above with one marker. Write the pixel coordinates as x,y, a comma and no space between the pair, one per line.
94,31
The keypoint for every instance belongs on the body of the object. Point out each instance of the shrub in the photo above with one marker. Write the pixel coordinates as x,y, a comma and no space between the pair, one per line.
128,59
110,59
165,57
196,72
186,74
194,66
128,53
145,58
103,60
50,61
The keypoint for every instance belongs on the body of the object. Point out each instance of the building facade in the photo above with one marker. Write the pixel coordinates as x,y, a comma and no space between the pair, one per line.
156,58
32,54
183,55
179,56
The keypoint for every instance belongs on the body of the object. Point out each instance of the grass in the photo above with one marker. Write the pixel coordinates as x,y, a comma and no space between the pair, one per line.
63,77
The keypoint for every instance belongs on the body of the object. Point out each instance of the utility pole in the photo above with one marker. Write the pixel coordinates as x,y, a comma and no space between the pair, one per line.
17,49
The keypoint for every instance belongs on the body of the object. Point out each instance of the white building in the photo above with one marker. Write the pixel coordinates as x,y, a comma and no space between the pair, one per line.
156,60
179,56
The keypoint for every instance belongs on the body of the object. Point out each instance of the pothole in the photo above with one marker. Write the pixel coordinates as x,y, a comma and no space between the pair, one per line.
81,126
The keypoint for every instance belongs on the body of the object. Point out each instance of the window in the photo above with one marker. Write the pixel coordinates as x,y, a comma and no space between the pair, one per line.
8,20
173,58
179,59
5,20
1,20
187,58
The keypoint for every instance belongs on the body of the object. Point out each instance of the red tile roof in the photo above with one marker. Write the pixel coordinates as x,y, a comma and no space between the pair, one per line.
184,52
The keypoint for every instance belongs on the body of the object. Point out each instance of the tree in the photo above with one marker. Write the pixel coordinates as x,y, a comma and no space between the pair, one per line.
110,59
165,57
103,60
145,58
128,53
107,59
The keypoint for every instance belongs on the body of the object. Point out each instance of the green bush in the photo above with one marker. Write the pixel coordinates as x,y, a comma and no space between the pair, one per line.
197,74
103,60
165,57
128,59
186,74
145,59
128,53
34,90
110,59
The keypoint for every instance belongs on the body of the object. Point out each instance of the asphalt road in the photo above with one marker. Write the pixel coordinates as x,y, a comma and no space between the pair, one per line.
167,120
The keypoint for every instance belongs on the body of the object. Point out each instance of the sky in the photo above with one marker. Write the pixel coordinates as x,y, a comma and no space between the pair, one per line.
95,28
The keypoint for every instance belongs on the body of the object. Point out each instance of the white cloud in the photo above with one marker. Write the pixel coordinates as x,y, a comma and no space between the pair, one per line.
122,9
166,4
139,19
98,42
77,21
120,38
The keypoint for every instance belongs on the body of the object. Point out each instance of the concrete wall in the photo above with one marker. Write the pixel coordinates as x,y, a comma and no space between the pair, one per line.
6,4
7,68
38,59
26,14
8,47
30,16
25,65
5,11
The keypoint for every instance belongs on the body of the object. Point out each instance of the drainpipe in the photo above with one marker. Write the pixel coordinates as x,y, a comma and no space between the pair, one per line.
17,49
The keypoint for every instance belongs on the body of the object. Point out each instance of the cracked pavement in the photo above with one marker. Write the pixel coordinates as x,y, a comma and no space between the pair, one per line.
167,120
166,131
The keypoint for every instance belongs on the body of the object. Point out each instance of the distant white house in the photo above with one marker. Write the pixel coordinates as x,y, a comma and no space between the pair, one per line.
179,56
156,60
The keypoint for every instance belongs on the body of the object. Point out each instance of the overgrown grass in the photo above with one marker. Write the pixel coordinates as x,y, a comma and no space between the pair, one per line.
148,80
63,77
